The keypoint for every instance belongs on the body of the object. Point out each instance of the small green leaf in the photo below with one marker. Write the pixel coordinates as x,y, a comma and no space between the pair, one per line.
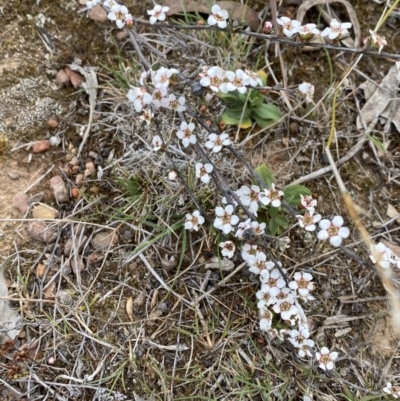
237,112
233,98
278,224
267,112
261,122
292,193
232,120
265,174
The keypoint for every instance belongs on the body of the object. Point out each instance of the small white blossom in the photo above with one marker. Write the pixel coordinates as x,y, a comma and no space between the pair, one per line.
308,220
259,263
308,90
249,197
193,221
285,305
265,319
213,77
162,77
289,27
157,142
249,253
393,390
203,172
336,30
256,227
308,202
158,95
378,40
237,81
326,358
172,175
228,249
271,196
265,299
147,116
186,134
225,219
272,282
301,341
118,14
145,75
157,13
174,104
91,3
333,230
385,255
302,283
306,32
215,142
109,3
254,78
139,97
218,17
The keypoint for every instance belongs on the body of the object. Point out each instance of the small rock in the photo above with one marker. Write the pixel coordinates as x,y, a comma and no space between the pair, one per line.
121,35
20,202
13,176
77,264
93,155
40,231
74,161
62,78
75,193
40,146
79,244
36,198
75,78
97,13
105,239
90,169
22,334
43,212
80,178
59,189
40,270
55,140
52,122
93,258
50,291
94,190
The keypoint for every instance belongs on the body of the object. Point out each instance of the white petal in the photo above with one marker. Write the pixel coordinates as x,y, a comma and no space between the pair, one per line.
338,221
344,232
336,240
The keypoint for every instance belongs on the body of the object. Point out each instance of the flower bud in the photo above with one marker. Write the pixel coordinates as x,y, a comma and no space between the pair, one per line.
268,27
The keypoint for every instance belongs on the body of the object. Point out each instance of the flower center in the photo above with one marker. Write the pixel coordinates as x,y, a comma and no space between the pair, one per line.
333,231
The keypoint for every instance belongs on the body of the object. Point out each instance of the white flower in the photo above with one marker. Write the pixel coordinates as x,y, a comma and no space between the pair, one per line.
215,142
213,77
301,341
254,78
147,116
302,283
139,97
228,249
91,3
172,175
308,202
336,30
326,358
193,221
157,13
117,14
218,17
265,319
271,196
307,221
385,255
249,197
378,40
186,134
264,299
333,230
254,226
285,306
272,282
145,75
225,219
109,3
307,31
289,27
237,81
157,143
249,253
158,95
308,90
162,76
259,263
393,390
173,104
203,172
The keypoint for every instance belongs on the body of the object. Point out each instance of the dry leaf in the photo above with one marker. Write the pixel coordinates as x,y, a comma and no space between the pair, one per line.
238,12
392,212
129,308
8,316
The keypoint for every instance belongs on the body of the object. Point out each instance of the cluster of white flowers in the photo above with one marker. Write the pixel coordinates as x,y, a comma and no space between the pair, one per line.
219,80
384,256
392,390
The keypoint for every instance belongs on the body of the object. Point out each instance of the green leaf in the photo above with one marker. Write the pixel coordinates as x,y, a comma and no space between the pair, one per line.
277,224
267,112
265,174
233,120
236,112
261,122
292,193
233,98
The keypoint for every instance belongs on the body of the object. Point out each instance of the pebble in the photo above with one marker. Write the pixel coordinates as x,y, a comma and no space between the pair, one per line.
90,169
79,243
40,231
105,239
97,13
20,202
52,122
80,178
43,212
38,197
77,264
59,189
55,140
13,176
75,193
93,155
62,78
75,78
93,258
40,146
40,270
